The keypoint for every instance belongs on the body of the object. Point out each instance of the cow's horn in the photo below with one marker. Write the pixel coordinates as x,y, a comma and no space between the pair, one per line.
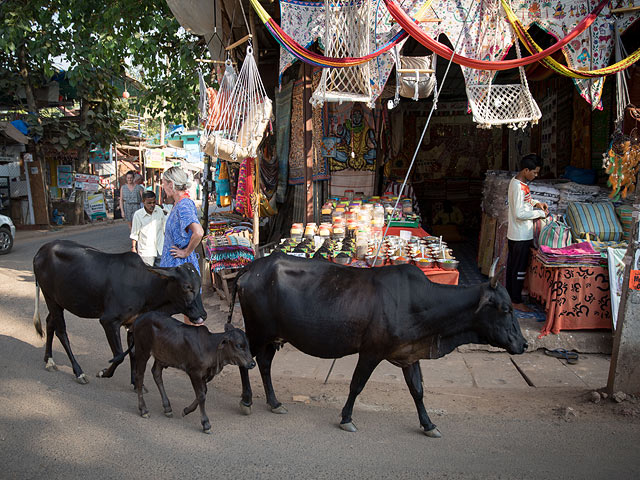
492,271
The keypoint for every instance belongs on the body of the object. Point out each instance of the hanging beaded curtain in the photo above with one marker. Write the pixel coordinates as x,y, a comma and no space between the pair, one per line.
245,118
346,35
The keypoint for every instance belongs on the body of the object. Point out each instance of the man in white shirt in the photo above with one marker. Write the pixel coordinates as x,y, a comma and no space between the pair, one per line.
522,212
147,229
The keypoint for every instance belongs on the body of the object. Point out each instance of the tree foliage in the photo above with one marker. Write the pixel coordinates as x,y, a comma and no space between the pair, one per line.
99,41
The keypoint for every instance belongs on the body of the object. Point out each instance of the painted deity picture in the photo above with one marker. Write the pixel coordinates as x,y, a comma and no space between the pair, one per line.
350,140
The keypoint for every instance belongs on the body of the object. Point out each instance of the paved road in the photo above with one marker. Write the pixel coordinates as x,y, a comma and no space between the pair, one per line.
52,427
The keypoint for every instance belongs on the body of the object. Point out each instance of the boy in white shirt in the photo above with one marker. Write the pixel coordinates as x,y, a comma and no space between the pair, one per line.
147,229
522,212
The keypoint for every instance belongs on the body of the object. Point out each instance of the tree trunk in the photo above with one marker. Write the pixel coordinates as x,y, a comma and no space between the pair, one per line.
83,152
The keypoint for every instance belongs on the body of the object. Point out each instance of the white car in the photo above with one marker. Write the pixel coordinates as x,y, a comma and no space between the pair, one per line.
7,234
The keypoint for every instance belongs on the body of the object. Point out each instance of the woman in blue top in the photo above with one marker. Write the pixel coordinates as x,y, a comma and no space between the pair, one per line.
183,231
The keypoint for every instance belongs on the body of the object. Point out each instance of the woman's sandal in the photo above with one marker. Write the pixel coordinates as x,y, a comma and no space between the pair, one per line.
570,357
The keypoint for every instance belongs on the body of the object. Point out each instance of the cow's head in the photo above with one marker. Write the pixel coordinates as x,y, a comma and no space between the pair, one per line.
495,322
182,291
234,348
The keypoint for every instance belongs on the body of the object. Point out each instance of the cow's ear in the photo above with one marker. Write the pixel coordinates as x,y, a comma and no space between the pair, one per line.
484,300
228,327
223,342
165,272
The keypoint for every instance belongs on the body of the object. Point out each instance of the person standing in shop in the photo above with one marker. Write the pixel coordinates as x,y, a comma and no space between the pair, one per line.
130,197
147,231
522,212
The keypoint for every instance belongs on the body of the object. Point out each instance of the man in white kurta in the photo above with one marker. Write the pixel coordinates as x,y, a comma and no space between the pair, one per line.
147,230
522,212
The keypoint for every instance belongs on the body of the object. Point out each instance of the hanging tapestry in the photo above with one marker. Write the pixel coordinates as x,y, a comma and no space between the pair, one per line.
223,188
320,162
268,168
485,38
297,158
350,125
245,187
304,22
283,133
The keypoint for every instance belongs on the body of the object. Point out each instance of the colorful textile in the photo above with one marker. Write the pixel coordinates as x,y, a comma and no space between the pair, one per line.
352,125
578,254
228,252
177,233
555,234
297,157
320,162
625,215
245,187
575,298
283,134
223,188
597,219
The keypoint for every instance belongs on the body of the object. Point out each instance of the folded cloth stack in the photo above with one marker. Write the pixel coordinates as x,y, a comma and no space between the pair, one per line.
228,252
575,192
576,255
545,192
496,192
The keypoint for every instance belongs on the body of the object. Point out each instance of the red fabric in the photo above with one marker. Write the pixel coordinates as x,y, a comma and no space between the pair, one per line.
407,23
245,188
575,298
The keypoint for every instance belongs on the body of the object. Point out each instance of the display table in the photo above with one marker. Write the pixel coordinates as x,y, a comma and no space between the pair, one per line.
436,275
575,298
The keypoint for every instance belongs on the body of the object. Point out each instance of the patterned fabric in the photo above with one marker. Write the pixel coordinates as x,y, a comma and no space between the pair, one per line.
228,252
625,215
245,188
283,134
575,298
304,22
297,158
223,188
353,127
555,235
176,233
131,200
597,219
320,162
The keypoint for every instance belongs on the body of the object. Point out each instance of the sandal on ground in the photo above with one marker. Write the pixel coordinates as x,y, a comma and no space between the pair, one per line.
561,353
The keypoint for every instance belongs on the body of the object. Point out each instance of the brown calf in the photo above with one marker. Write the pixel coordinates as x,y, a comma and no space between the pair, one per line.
195,350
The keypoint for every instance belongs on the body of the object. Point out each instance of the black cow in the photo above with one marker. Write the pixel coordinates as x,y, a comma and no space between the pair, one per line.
392,313
115,288
196,351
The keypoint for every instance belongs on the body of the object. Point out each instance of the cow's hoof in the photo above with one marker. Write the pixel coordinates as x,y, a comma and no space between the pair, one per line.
50,366
280,410
207,431
82,379
433,433
348,427
168,414
245,409
100,374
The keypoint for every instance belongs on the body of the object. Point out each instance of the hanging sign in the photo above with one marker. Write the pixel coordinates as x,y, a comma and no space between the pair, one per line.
98,155
65,176
88,183
155,158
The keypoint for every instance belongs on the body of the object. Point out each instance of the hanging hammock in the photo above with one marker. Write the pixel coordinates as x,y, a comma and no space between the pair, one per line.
408,24
313,58
554,65
511,104
244,118
346,33
218,101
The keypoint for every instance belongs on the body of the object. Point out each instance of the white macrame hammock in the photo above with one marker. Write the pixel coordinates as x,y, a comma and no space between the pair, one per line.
495,105
346,34
213,112
244,116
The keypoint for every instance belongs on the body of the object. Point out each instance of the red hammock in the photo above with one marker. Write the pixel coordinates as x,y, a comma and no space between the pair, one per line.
408,24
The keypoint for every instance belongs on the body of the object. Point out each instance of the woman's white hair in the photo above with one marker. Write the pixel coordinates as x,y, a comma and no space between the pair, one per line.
178,177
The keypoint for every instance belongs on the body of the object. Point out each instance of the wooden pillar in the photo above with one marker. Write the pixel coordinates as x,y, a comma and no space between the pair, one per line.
308,142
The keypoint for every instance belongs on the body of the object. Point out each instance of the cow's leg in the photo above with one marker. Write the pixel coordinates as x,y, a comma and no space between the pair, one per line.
156,370
264,357
132,357
141,365
413,377
247,396
111,326
56,325
365,367
200,388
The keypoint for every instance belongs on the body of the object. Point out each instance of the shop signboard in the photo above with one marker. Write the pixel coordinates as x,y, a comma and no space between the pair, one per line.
65,176
88,183
98,155
155,158
95,207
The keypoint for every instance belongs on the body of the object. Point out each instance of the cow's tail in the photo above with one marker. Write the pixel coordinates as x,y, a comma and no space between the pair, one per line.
120,358
233,292
36,314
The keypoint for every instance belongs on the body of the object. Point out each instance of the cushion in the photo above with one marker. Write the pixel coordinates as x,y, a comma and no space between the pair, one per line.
597,219
625,215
